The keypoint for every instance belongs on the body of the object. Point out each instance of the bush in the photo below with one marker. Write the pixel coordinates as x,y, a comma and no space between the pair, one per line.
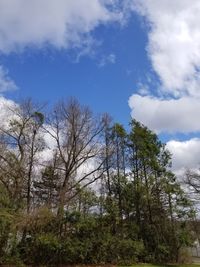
124,251
44,249
5,226
184,256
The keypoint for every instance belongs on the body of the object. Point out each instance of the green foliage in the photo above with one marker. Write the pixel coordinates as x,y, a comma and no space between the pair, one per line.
5,225
136,212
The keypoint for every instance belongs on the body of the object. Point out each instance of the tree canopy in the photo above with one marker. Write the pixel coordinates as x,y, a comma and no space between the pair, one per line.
77,188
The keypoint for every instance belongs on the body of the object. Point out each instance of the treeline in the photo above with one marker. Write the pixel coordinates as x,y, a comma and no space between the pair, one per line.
76,188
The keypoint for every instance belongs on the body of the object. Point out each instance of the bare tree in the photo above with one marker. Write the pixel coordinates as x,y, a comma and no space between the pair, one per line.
78,148
22,142
192,181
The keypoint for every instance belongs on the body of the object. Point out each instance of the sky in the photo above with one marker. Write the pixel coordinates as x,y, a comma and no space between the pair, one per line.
130,58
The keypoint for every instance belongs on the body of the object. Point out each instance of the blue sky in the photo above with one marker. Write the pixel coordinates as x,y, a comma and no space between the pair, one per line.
138,58
50,74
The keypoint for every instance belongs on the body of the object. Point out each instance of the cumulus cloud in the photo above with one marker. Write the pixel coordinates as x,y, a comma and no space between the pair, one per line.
6,114
167,115
185,154
174,43
174,51
6,83
62,24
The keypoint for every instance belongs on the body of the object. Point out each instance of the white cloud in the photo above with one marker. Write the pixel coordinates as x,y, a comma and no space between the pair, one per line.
143,89
105,60
174,43
6,83
185,154
174,50
62,24
6,113
172,115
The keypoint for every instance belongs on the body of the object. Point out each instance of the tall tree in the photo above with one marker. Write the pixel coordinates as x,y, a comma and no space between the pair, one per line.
22,141
155,190
77,134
